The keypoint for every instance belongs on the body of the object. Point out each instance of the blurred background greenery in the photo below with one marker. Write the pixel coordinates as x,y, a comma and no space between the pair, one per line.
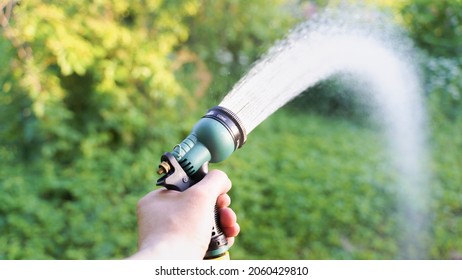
93,92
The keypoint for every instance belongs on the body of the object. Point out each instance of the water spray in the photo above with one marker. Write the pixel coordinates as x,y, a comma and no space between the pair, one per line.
213,139
334,43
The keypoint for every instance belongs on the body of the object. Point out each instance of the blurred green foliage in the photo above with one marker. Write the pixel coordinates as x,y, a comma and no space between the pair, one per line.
90,76
242,31
84,211
315,195
444,83
435,25
93,92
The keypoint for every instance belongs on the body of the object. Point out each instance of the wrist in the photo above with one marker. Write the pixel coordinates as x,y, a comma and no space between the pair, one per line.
167,250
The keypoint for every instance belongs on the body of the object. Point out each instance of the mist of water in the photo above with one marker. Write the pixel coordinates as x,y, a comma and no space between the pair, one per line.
378,60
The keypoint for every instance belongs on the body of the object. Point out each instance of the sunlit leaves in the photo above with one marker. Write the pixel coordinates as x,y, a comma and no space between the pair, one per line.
102,67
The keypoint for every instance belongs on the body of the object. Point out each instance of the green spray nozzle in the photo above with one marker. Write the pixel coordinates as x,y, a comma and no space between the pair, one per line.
213,139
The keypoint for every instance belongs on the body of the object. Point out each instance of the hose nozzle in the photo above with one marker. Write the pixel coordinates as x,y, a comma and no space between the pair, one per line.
213,139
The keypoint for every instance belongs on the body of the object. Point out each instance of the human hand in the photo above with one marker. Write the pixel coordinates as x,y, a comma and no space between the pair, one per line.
177,225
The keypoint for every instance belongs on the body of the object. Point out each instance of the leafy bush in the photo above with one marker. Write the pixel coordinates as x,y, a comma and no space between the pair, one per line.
91,91
310,187
304,186
229,35
444,86
447,218
83,211
86,76
94,93
436,26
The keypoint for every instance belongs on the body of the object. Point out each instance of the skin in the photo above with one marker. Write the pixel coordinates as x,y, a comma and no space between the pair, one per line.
177,225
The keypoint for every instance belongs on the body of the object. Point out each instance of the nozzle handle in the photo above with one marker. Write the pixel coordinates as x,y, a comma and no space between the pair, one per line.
176,179
218,245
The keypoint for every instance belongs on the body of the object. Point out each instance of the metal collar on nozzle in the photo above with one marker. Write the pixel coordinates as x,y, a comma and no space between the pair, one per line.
231,122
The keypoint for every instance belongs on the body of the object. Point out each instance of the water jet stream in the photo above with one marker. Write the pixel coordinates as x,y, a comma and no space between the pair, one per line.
379,62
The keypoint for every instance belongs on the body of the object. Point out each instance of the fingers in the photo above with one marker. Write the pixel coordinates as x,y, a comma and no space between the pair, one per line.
223,201
228,221
232,231
215,183
230,241
227,217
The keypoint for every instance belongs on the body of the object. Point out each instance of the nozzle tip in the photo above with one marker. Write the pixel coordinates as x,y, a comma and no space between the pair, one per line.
164,167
